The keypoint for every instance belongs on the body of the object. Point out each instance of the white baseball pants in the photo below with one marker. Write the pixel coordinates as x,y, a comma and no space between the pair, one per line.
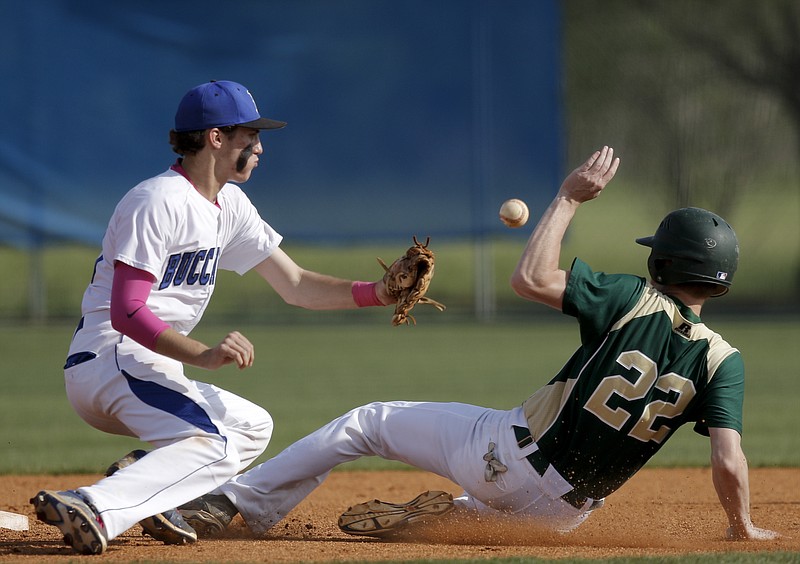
203,435
448,439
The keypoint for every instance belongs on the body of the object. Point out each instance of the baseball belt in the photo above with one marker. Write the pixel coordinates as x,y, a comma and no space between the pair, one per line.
540,464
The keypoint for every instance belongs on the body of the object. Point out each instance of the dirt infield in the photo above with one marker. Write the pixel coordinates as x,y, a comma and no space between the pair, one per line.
659,512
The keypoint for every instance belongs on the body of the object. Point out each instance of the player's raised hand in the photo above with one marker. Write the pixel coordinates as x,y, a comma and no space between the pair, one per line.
588,180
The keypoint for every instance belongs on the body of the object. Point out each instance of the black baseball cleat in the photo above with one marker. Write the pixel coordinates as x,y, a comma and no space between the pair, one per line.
82,527
209,514
168,527
378,518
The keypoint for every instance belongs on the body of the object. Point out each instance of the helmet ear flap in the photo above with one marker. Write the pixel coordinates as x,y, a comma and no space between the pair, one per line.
659,267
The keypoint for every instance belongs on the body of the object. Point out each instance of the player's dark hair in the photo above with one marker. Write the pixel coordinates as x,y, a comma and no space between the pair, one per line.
192,142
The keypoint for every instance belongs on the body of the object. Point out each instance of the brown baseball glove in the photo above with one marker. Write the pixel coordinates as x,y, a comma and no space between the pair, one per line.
408,278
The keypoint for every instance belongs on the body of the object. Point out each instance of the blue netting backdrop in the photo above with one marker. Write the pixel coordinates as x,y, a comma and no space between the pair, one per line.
412,117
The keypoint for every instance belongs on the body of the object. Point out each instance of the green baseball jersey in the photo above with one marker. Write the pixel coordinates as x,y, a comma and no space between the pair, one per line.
646,365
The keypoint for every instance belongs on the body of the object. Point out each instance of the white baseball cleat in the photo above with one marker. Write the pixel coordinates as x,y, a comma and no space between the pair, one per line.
82,527
378,518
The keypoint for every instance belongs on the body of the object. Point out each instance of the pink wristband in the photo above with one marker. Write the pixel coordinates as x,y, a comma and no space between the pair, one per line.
365,294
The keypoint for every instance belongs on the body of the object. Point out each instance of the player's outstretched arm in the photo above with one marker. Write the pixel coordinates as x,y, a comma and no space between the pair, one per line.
310,290
730,475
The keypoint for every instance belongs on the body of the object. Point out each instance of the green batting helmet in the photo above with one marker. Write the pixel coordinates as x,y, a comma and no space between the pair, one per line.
693,245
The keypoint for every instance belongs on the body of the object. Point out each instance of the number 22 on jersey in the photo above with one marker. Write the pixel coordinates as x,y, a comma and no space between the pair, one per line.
647,378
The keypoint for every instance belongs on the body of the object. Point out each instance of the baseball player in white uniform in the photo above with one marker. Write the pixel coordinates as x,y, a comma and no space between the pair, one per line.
124,373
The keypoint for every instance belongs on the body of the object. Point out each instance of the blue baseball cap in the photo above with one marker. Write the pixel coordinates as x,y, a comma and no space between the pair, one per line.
219,103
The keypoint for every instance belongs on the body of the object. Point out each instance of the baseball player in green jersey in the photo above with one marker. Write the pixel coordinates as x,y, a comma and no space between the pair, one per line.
646,365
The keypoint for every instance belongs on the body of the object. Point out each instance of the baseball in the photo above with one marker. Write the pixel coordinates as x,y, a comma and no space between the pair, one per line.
514,213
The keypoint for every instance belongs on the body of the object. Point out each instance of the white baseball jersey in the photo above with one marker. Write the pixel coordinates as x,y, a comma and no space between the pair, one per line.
204,434
167,228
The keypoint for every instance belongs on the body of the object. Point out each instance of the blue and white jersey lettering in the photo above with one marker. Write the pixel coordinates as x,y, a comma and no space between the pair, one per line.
191,268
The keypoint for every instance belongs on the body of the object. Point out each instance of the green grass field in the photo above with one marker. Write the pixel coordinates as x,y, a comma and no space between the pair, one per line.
307,374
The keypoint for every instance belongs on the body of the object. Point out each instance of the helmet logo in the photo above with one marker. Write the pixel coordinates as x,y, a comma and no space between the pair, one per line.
710,243
722,275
